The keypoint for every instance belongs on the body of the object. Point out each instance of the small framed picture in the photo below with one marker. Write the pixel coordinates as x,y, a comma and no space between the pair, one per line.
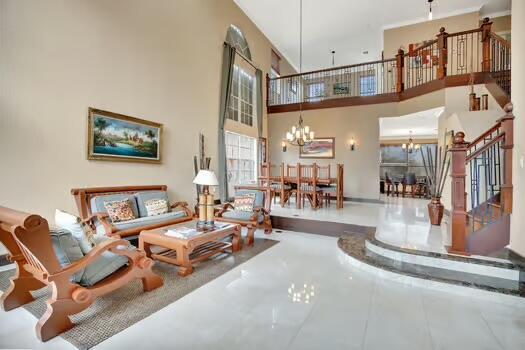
319,148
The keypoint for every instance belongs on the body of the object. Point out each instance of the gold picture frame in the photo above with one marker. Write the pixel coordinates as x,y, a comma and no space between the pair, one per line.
117,137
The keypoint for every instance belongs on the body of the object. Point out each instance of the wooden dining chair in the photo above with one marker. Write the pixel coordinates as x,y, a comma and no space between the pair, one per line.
281,187
307,186
292,178
324,180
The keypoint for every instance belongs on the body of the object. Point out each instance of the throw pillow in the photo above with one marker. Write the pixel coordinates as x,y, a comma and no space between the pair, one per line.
119,211
156,206
79,230
244,202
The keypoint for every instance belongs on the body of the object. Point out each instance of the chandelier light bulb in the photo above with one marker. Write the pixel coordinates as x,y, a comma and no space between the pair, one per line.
307,129
297,134
293,129
311,135
404,146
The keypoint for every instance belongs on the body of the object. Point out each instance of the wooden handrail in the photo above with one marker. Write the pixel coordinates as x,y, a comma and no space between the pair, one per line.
500,40
484,147
335,68
377,61
484,135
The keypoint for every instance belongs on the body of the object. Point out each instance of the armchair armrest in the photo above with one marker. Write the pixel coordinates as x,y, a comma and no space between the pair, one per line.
261,210
109,245
225,208
184,206
104,220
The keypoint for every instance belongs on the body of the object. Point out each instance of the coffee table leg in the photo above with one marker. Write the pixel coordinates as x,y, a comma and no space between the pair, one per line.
145,247
250,236
185,267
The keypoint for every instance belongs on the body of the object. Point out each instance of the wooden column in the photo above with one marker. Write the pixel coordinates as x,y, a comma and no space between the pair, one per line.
486,27
298,194
507,126
443,53
400,64
459,202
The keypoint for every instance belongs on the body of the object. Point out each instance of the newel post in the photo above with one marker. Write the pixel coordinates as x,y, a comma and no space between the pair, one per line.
443,53
486,28
400,64
507,126
459,202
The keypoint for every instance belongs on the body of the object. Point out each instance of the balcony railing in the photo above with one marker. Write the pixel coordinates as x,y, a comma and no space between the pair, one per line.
461,54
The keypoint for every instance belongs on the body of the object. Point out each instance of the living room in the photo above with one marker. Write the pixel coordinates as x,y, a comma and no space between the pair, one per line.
214,169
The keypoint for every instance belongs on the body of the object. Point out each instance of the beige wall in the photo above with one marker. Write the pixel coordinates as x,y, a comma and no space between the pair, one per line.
156,60
395,38
501,24
517,237
361,166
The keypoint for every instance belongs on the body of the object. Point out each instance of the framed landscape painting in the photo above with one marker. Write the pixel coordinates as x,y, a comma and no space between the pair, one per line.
118,137
319,148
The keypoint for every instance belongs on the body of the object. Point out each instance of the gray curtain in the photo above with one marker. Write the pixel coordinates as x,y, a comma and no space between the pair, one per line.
228,58
259,104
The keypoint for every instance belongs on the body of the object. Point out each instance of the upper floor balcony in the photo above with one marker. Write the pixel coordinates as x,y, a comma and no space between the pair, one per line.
452,59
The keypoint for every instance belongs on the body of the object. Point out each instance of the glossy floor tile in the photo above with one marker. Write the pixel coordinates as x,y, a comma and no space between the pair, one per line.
304,293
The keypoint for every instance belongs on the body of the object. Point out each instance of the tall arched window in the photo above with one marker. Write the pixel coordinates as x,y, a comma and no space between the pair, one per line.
235,38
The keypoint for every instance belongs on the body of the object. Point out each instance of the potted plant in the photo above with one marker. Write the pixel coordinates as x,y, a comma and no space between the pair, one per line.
436,169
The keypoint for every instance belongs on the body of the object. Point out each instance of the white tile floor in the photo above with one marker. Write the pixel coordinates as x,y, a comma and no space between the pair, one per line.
250,308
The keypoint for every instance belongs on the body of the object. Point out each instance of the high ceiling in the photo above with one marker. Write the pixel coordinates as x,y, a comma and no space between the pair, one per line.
422,124
347,26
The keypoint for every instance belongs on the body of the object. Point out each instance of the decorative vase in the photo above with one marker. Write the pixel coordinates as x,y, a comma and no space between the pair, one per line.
435,211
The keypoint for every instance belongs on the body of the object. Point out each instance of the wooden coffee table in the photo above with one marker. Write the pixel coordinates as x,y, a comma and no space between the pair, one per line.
184,252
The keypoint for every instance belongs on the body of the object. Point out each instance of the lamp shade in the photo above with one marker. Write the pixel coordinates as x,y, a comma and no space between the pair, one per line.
206,178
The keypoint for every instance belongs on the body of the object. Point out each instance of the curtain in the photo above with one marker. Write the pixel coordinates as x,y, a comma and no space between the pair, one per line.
259,105
228,58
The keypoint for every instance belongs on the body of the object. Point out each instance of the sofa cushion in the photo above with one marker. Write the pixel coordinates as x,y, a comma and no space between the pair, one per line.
97,203
156,206
144,196
119,211
106,264
241,215
67,250
244,202
145,221
78,229
259,196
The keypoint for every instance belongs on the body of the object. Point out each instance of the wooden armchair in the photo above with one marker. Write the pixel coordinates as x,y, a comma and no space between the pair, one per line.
85,196
260,217
38,266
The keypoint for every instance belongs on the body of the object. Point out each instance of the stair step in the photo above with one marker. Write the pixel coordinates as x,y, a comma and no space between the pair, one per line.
354,244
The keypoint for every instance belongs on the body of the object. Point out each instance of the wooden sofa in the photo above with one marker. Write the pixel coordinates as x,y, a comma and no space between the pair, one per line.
99,220
38,265
260,217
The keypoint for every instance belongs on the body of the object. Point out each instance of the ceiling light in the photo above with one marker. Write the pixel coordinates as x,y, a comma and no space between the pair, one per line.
430,10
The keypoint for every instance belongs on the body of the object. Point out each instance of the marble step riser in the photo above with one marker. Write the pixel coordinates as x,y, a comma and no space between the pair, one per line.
478,269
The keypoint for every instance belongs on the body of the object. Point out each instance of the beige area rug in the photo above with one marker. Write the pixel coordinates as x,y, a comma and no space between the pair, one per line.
113,313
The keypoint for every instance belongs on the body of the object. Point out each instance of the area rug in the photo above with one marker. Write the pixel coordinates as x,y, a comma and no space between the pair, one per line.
113,313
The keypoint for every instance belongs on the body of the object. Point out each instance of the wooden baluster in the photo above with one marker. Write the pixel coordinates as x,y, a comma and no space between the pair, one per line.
507,126
486,27
443,53
400,64
459,202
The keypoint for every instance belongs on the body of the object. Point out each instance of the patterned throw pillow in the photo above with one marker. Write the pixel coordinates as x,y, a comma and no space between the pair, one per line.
156,206
244,202
119,211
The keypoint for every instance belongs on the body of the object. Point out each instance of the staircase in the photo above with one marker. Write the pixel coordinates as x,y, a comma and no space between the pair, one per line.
481,211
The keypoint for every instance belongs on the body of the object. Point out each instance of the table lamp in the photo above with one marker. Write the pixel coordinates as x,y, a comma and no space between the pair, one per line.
205,178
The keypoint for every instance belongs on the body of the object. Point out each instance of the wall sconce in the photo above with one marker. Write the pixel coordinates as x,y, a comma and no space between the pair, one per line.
352,144
283,145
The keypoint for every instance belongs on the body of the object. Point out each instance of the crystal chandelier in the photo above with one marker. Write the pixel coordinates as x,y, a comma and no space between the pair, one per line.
300,135
410,146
